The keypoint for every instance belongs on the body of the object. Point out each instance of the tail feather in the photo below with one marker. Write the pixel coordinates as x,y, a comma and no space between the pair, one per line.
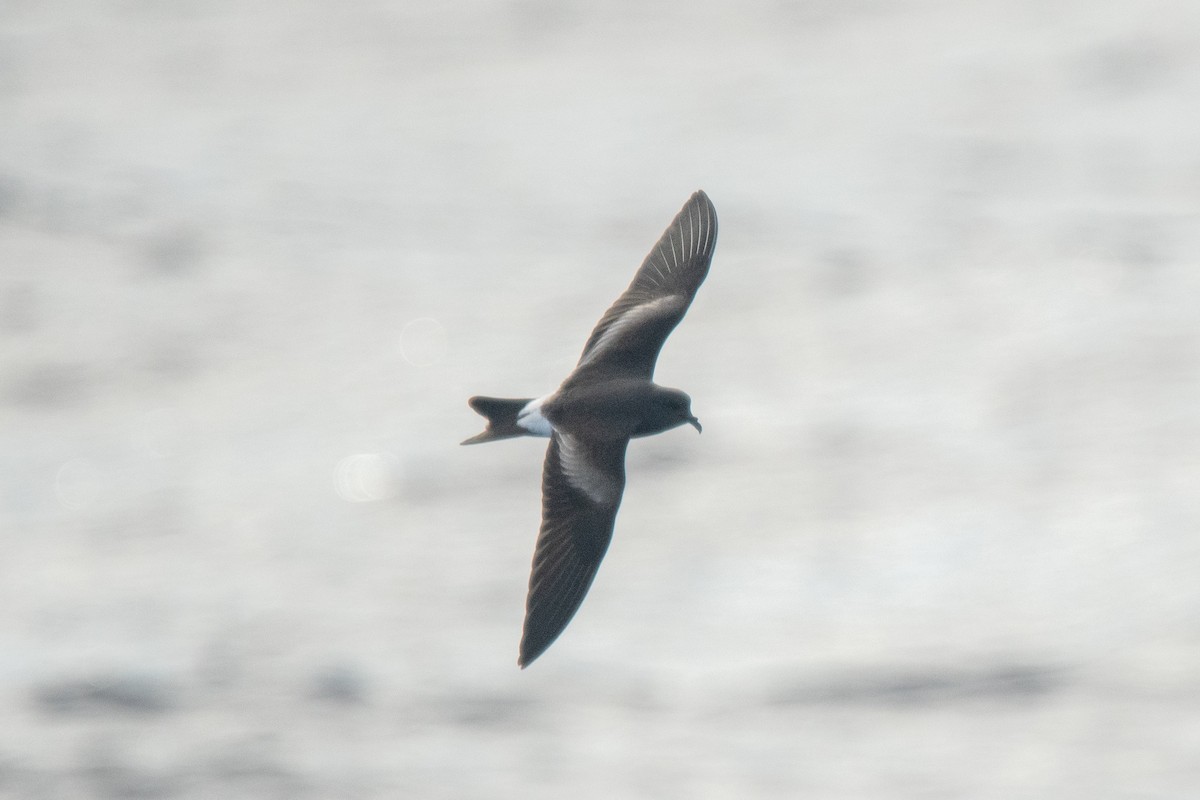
501,415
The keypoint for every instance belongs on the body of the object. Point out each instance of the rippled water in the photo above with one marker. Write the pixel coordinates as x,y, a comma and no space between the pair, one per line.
939,537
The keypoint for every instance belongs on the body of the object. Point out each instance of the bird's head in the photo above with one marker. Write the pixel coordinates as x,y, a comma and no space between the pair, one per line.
673,408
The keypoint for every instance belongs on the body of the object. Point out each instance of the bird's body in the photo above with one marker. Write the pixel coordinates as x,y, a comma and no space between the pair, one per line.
623,408
607,400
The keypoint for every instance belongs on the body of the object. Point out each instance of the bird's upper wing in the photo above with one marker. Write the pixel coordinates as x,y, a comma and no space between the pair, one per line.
626,341
582,483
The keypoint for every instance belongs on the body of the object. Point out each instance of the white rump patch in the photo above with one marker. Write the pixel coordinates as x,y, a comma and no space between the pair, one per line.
629,320
583,474
530,418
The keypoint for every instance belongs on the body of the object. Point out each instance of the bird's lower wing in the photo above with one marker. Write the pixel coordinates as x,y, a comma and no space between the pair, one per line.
582,482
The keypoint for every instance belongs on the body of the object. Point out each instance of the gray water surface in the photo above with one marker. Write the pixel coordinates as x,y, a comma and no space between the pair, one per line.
940,537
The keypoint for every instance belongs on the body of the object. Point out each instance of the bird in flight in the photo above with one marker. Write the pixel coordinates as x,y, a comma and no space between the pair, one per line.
609,398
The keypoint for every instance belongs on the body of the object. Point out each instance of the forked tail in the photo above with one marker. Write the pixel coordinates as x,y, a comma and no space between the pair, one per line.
501,416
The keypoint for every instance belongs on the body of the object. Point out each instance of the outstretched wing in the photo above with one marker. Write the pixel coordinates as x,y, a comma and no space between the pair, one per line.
626,341
582,483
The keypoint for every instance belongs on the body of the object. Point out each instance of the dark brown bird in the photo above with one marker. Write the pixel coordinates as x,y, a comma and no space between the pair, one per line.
608,399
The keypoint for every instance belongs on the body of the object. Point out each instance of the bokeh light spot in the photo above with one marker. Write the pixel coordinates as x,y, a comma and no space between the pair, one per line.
423,342
366,477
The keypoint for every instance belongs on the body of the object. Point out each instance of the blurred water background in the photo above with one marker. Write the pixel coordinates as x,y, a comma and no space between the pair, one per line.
940,537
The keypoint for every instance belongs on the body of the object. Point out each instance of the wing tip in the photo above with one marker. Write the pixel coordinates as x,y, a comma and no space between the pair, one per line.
530,652
701,196
706,215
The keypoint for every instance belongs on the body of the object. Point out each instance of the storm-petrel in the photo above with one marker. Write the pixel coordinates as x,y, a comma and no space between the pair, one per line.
608,399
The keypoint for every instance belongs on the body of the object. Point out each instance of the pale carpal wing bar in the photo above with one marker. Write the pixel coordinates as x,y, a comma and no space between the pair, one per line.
628,338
